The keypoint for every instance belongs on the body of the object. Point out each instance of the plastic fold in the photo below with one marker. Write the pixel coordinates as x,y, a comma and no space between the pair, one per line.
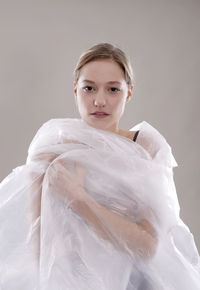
93,210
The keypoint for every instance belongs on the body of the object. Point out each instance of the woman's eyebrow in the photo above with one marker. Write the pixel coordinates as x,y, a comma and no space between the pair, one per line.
110,82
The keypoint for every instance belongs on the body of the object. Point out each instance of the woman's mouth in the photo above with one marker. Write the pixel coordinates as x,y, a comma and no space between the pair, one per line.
100,114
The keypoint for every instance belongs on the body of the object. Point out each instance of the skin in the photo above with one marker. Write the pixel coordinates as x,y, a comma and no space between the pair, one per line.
137,237
97,96
102,96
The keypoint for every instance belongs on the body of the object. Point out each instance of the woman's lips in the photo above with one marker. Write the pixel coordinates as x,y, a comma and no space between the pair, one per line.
100,115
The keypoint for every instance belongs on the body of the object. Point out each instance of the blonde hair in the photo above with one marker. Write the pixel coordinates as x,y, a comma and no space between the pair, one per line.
106,51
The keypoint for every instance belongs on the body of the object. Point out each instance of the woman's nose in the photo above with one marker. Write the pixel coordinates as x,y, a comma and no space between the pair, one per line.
99,103
99,100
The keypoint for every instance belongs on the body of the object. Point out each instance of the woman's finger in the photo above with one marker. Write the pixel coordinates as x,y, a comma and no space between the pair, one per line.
80,172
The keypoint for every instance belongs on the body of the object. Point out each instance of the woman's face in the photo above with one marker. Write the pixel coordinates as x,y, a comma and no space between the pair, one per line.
102,87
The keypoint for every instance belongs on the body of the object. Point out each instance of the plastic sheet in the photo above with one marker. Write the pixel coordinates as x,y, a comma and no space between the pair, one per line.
93,210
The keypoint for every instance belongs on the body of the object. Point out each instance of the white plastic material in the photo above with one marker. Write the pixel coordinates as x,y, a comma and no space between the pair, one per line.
62,214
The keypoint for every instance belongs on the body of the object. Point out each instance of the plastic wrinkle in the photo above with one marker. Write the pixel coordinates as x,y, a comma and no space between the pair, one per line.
93,210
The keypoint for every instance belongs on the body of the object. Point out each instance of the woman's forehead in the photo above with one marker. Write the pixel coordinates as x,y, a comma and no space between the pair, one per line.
102,71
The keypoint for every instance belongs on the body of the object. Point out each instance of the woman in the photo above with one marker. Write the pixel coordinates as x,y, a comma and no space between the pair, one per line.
95,206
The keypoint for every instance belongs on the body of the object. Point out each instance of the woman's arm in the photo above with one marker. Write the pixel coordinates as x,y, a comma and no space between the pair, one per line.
140,237
34,201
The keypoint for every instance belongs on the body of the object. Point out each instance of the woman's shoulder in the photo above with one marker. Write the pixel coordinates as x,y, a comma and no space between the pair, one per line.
154,143
128,134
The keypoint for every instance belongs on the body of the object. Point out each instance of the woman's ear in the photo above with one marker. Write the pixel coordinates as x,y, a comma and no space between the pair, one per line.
75,93
75,88
128,98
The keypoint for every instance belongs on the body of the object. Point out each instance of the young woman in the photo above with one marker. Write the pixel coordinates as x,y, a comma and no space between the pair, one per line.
95,205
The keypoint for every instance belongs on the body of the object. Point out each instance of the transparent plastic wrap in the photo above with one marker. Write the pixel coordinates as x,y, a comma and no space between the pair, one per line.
93,210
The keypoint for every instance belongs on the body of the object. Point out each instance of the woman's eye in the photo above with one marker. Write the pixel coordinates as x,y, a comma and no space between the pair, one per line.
88,88
114,89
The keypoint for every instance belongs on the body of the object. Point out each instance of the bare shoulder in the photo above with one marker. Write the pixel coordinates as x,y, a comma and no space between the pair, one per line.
150,144
127,134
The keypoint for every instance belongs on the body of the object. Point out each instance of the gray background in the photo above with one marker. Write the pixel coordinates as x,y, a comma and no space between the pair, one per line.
41,42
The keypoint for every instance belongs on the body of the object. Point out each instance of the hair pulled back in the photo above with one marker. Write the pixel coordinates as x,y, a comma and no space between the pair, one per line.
106,51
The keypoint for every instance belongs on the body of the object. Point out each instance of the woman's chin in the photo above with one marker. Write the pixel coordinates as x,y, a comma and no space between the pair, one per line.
98,124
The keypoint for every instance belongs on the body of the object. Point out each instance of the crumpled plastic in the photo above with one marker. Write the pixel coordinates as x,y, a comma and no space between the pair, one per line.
60,214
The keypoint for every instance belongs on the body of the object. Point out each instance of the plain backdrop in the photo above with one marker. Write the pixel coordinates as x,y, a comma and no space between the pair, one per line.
40,43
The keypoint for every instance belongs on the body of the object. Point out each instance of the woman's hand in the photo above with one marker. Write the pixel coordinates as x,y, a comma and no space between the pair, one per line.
67,185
